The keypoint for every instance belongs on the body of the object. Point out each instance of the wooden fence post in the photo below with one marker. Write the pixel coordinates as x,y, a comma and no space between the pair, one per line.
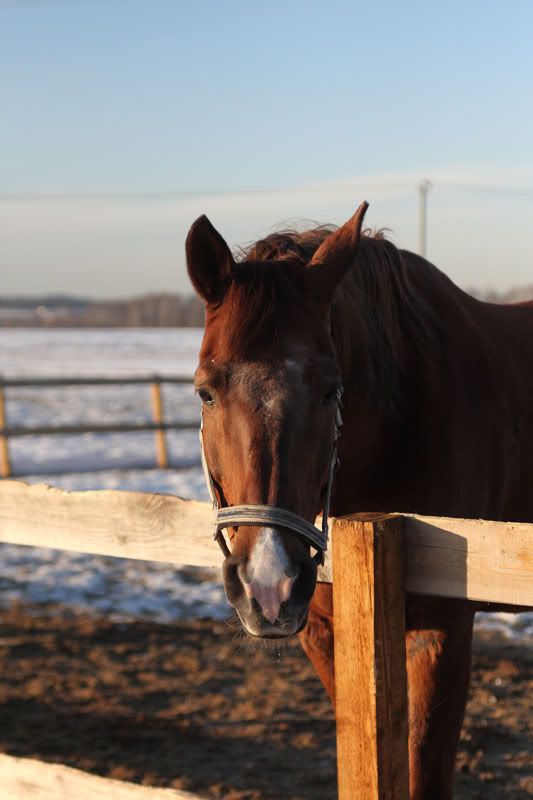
370,672
158,418
5,463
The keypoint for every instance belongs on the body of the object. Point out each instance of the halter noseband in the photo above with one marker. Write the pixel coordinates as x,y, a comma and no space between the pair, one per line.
258,515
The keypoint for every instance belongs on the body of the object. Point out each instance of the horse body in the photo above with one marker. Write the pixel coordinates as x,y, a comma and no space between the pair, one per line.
459,445
437,419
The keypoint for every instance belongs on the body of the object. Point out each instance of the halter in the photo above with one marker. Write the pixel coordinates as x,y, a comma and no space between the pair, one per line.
258,515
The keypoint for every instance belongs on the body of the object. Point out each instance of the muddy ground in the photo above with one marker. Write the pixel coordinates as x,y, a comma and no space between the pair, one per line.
192,706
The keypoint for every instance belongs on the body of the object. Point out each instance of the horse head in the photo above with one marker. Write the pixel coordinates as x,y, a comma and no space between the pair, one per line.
269,382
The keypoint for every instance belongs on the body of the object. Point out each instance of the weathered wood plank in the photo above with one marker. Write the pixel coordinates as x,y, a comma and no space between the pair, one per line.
95,381
466,558
158,418
113,427
5,463
470,558
370,675
29,779
153,527
474,559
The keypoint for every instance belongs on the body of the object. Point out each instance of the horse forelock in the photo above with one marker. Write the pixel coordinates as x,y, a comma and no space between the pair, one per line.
289,244
371,308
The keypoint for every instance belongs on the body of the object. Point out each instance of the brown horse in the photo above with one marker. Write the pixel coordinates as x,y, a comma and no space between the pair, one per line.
438,419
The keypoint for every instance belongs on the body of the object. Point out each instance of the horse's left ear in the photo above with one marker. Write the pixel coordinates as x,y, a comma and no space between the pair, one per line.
334,257
209,261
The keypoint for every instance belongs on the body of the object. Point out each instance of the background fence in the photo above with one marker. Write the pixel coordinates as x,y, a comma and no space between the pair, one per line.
158,423
373,561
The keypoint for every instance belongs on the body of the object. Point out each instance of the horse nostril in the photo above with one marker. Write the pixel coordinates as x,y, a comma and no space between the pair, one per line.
232,580
285,585
241,576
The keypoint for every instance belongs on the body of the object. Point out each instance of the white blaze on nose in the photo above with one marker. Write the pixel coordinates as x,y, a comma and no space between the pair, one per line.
267,573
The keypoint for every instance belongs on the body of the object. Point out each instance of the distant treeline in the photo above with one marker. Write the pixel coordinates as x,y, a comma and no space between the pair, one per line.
151,311
518,294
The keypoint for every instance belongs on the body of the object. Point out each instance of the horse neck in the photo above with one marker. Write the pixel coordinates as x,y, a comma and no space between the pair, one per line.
422,453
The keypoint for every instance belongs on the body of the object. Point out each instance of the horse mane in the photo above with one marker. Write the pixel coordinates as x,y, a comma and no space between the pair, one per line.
289,244
374,306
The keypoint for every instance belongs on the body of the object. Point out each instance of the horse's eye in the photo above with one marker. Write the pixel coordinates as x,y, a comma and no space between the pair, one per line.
205,397
330,396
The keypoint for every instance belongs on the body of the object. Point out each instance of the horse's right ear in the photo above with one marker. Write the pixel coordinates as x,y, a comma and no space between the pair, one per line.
209,261
335,256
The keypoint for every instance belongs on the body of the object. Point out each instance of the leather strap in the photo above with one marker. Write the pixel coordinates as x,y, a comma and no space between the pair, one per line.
259,515
233,516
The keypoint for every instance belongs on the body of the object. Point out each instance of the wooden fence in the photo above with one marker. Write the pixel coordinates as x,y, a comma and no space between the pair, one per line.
158,424
373,561
25,778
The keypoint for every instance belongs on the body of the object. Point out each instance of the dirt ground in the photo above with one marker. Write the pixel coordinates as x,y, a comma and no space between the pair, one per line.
193,706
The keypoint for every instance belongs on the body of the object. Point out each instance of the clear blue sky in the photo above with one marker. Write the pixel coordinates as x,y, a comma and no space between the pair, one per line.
314,103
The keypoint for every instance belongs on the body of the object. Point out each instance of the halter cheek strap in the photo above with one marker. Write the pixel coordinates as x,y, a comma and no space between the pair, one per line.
259,515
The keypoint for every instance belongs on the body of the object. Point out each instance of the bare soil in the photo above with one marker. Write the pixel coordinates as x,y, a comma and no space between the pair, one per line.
193,706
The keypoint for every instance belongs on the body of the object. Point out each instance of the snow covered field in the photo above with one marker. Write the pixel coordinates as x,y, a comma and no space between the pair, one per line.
124,589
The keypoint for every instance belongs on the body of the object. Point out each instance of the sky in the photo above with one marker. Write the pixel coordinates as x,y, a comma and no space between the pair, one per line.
122,121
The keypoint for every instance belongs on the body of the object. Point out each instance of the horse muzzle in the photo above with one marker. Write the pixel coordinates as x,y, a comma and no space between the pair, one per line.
271,606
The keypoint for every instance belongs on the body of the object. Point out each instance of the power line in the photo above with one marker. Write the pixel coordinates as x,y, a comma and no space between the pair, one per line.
408,185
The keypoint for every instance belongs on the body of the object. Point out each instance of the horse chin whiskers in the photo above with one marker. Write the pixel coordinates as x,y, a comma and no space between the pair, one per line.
274,645
240,637
275,648
285,629
234,623
255,646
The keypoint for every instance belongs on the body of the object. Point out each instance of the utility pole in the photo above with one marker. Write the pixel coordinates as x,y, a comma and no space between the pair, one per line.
423,189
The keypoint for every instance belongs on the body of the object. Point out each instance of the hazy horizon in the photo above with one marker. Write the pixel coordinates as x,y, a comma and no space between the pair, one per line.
119,129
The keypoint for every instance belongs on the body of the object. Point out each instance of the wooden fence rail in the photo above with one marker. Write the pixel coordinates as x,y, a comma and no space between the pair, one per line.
158,424
376,559
468,559
119,427
96,381
29,779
